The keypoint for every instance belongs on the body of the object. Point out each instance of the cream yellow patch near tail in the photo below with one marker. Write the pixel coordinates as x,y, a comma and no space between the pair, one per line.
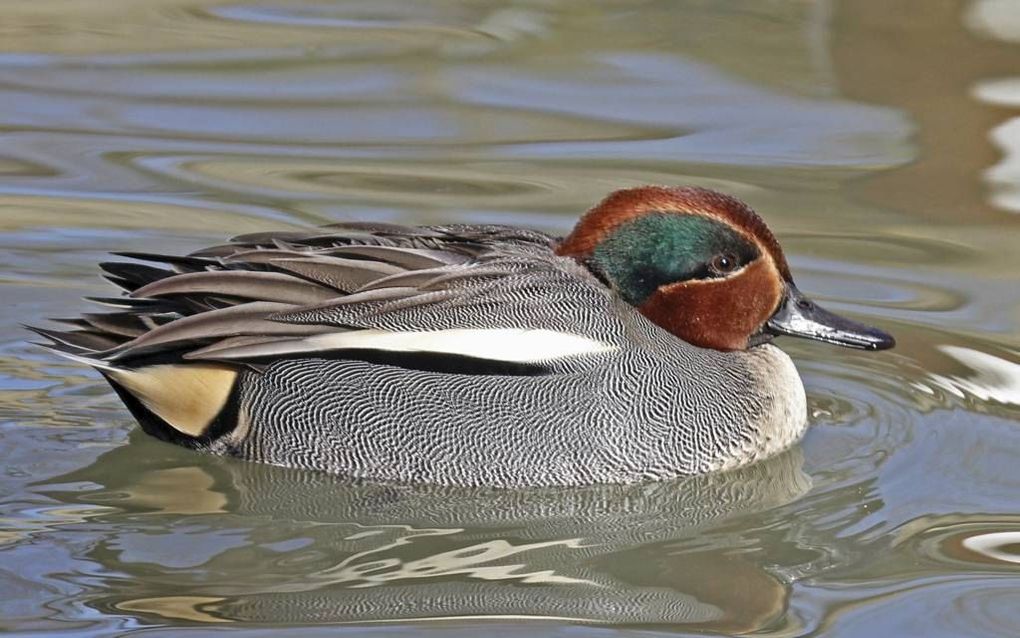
186,396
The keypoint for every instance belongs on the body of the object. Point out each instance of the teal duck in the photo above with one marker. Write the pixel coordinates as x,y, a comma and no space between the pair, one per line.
639,347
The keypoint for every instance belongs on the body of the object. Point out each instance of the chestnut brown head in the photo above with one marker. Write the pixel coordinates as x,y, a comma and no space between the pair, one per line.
705,267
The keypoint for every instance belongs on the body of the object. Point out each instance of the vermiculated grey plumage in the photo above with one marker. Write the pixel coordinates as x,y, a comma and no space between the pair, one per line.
648,406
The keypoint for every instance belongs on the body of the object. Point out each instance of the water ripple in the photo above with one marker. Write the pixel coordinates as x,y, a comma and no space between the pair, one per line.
169,124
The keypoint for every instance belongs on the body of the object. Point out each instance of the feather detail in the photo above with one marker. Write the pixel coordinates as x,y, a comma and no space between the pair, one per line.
414,279
124,324
346,275
266,238
406,258
382,228
139,305
260,256
132,276
71,342
264,286
244,319
214,252
179,262
359,301
232,344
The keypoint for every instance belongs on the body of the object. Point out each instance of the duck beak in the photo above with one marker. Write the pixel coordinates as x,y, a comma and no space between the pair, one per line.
798,316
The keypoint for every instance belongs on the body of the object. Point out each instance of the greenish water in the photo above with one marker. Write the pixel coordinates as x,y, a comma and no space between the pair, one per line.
881,141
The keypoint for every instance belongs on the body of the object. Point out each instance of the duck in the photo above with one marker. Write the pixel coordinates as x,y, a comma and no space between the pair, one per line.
639,347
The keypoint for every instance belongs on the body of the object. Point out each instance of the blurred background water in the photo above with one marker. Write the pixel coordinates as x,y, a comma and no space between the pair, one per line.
881,141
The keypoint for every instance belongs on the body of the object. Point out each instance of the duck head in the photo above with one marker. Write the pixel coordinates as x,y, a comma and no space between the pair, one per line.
706,268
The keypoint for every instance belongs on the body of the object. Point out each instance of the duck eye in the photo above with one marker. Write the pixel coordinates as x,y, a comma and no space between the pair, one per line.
723,264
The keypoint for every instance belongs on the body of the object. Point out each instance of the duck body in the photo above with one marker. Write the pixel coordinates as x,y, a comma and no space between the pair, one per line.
648,407
469,355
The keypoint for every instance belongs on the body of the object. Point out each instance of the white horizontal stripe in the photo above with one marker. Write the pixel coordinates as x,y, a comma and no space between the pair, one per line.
509,344
513,345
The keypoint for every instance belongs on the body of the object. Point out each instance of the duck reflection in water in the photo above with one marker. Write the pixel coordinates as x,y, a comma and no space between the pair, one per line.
276,545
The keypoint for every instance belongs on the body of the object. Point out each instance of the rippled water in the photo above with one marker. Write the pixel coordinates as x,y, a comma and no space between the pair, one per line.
881,140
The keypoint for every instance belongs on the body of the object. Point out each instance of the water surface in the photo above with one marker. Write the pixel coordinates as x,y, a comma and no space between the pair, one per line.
881,140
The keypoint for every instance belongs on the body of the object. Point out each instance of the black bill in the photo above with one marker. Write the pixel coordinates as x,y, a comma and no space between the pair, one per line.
798,316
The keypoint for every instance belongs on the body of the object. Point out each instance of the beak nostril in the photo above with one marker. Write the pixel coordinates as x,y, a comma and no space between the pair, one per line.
804,304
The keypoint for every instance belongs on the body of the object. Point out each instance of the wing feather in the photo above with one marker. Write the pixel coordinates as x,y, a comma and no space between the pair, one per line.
491,290
265,286
345,275
245,319
406,258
